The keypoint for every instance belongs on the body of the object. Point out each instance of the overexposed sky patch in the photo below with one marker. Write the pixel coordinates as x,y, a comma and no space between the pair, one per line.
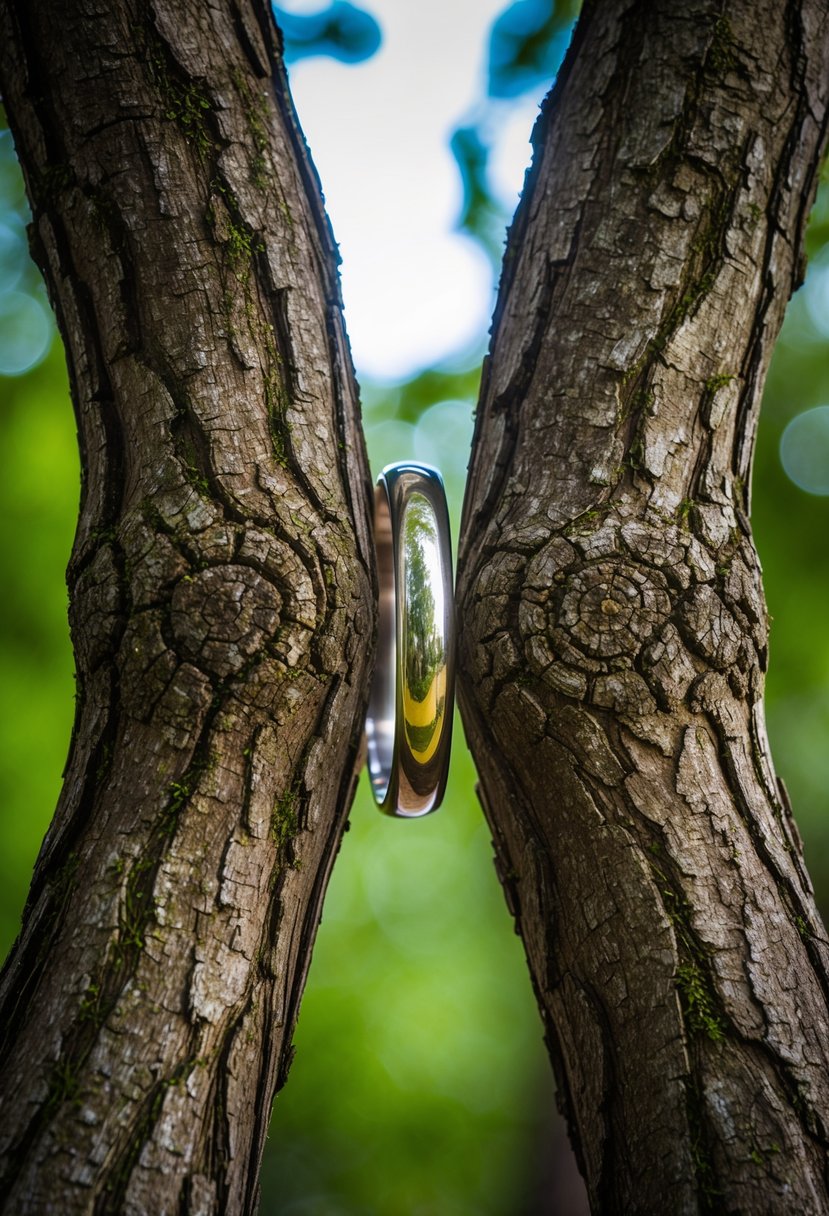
415,290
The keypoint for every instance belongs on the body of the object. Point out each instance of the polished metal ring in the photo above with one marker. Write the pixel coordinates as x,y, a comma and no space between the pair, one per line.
409,721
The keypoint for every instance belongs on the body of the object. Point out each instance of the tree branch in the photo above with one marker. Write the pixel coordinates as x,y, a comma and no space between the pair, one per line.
615,636
222,604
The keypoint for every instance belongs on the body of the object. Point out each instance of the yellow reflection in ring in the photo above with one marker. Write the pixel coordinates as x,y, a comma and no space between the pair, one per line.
424,631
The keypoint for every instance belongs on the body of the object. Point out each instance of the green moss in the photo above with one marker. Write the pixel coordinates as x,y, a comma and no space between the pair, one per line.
285,819
118,866
641,400
240,246
225,217
683,512
192,473
717,382
64,1085
238,243
762,1156
90,1010
698,1003
104,762
256,114
197,480
276,404
755,214
721,58
276,418
180,792
102,536
802,926
689,302
635,458
152,516
585,523
187,107
184,100
138,908
698,998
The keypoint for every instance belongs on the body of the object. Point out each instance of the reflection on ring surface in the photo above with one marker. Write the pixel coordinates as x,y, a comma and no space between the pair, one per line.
409,718
424,632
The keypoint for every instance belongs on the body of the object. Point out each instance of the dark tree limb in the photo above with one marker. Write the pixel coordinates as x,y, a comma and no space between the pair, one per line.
615,637
222,604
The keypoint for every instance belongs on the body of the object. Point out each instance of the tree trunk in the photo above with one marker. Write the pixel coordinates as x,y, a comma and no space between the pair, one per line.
222,604
615,636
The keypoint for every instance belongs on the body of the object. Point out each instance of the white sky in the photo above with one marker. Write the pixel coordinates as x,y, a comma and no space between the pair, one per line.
415,291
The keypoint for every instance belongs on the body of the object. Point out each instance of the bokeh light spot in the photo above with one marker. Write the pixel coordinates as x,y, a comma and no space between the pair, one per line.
804,450
25,332
390,440
12,193
14,256
816,296
444,434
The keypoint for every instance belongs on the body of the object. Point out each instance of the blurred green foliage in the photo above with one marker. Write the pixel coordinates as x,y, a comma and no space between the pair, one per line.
420,1086
39,489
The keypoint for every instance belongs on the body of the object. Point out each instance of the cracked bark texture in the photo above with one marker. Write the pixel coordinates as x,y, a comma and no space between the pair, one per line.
615,634
221,605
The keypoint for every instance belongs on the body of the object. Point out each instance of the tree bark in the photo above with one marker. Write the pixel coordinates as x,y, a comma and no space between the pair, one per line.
221,604
615,635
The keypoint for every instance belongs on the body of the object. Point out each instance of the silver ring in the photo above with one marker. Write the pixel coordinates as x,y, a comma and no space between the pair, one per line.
409,721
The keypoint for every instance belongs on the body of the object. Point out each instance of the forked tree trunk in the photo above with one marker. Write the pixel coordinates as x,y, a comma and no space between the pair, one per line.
614,640
614,631
222,605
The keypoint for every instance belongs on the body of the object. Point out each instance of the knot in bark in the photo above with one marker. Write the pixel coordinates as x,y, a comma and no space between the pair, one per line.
223,615
610,609
588,611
